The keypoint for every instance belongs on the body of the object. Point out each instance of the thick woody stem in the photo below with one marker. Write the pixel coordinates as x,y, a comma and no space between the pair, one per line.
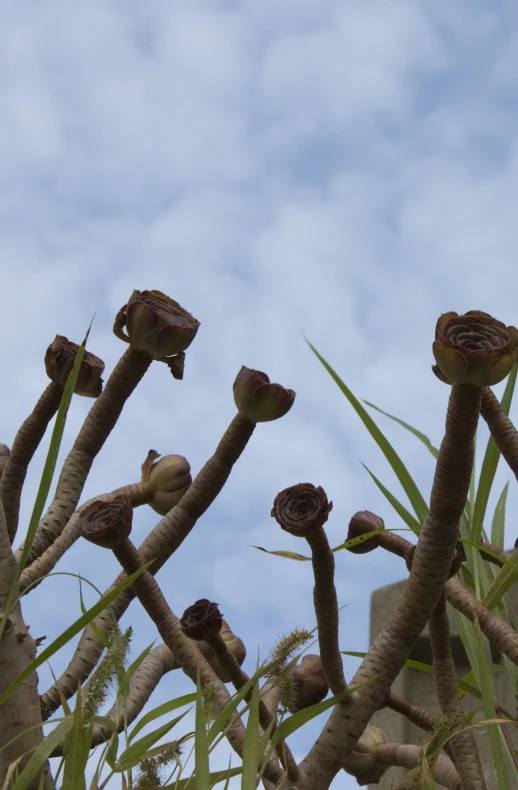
138,493
24,446
239,678
463,746
96,428
409,756
418,716
430,568
326,609
160,544
502,429
184,650
396,544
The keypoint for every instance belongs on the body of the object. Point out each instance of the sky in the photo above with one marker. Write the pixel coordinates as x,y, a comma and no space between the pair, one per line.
338,171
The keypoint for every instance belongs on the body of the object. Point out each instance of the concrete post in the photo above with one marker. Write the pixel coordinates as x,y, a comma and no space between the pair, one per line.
419,688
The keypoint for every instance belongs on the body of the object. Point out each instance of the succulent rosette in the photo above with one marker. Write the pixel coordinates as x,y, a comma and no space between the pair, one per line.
474,348
59,361
107,523
201,620
170,477
258,399
362,523
301,509
155,324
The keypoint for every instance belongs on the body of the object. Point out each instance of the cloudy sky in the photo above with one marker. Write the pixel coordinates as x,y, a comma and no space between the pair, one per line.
345,171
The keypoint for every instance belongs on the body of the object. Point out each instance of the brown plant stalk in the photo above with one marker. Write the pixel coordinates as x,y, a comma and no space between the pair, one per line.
409,756
502,429
463,745
432,561
25,444
159,545
326,610
184,650
98,425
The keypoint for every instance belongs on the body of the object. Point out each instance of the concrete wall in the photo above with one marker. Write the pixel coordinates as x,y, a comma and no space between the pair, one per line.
419,688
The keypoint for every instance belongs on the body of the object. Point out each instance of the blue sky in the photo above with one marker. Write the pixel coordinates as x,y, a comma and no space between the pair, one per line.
344,170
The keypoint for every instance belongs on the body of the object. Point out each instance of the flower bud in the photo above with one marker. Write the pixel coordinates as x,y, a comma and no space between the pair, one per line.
301,509
170,477
307,685
258,399
201,620
474,348
4,456
107,523
361,762
155,324
59,361
362,523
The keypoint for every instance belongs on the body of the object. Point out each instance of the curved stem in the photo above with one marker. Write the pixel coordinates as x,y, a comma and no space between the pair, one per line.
409,756
463,745
502,429
163,541
24,446
326,609
96,428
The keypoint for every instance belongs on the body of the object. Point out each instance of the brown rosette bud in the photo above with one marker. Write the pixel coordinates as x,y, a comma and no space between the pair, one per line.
458,558
155,324
301,509
107,523
306,686
4,456
59,361
474,348
201,620
362,523
170,477
258,399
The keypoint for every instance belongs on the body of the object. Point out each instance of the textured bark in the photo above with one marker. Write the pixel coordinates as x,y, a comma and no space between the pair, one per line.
161,543
326,609
463,746
502,429
96,428
24,446
430,568
20,715
409,756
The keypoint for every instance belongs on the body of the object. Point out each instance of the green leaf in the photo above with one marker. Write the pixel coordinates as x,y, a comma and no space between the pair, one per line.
201,744
70,632
38,760
402,473
214,779
421,436
138,750
498,525
73,752
297,720
161,710
400,509
490,464
225,715
251,747
503,580
290,555
126,676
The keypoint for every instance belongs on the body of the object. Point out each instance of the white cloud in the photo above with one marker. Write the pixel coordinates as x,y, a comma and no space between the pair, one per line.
340,170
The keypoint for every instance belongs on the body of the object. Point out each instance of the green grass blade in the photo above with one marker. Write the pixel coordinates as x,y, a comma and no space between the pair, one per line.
42,754
201,745
73,772
126,676
503,580
490,463
131,756
400,509
214,779
161,710
70,632
498,524
421,436
251,747
414,495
